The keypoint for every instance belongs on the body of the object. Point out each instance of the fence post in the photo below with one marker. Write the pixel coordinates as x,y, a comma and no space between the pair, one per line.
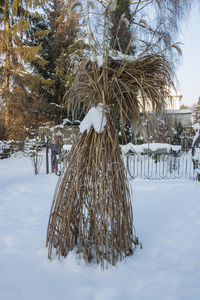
53,153
47,156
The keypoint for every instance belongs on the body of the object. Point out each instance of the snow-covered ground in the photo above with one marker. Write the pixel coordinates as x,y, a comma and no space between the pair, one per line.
167,221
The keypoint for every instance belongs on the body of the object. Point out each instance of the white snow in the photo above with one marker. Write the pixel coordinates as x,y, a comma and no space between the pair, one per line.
118,56
143,147
67,147
65,121
96,118
112,5
178,111
150,147
125,20
99,59
166,218
196,126
115,55
195,138
59,133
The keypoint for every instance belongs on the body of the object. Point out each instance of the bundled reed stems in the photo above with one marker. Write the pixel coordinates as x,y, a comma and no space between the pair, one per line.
91,208
125,86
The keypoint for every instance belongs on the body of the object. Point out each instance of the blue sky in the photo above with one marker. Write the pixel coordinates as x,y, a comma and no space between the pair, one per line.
189,71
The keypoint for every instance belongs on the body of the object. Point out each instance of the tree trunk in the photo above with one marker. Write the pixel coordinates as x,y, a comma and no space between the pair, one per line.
7,64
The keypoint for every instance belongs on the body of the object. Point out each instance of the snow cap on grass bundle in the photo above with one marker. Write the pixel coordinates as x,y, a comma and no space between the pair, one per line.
96,118
196,126
114,55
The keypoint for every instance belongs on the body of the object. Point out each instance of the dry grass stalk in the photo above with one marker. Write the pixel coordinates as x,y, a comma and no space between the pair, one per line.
91,208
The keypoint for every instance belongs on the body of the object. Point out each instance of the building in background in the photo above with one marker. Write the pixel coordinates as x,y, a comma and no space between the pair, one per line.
167,123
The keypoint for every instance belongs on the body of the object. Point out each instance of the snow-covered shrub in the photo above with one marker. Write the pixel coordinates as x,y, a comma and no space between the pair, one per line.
32,149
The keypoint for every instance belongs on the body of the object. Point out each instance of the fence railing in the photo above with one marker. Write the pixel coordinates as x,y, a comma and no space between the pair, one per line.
161,166
10,147
173,165
27,147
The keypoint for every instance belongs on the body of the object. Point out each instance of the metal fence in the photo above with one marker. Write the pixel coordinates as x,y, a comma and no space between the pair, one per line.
139,165
162,166
171,165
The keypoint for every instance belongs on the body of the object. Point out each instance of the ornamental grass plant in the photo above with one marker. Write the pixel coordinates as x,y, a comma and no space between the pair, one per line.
91,209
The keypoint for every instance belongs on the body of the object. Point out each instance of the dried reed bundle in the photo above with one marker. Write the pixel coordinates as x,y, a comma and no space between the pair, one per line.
91,207
124,85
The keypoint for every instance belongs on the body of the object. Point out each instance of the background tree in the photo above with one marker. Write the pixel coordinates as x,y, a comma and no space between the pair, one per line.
177,133
121,31
19,86
163,29
168,17
184,106
156,128
120,36
61,41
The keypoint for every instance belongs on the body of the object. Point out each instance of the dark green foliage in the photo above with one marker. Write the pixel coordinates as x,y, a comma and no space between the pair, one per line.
57,47
177,134
125,134
34,63
19,87
183,106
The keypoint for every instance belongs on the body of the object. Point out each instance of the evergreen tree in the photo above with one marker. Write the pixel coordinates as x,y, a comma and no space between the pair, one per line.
58,45
184,106
19,86
127,135
178,133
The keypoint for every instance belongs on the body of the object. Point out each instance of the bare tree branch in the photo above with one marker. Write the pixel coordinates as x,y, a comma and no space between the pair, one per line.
140,1
103,2
146,4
